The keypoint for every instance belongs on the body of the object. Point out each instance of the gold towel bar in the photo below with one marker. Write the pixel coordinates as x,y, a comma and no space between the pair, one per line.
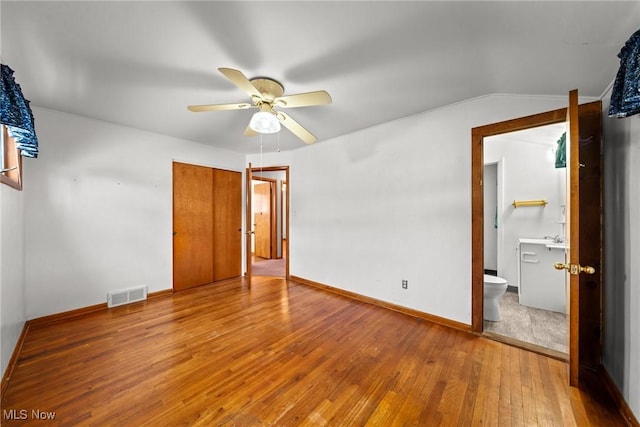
523,203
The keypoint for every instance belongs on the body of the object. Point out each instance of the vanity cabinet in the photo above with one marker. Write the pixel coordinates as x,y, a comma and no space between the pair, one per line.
540,285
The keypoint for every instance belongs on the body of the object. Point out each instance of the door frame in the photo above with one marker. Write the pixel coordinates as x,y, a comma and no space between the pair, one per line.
273,214
477,198
248,177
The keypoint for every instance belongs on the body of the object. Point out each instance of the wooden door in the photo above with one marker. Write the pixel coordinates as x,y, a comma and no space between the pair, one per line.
227,224
192,225
248,221
584,227
207,217
262,219
584,224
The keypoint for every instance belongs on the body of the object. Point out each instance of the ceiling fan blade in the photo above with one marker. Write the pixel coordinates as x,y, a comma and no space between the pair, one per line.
250,132
218,107
296,128
241,81
319,97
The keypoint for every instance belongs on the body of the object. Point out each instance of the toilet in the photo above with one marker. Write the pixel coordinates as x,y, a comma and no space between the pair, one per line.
494,288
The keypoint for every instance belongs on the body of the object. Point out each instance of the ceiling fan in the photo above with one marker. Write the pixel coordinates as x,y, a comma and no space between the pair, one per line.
265,94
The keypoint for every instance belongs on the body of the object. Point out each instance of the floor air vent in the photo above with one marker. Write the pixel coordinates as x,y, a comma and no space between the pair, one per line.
126,296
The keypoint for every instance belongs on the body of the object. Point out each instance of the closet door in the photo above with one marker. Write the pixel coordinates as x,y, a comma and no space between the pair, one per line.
227,224
192,226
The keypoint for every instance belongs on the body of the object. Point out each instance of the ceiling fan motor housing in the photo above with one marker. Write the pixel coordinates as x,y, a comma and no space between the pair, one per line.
269,88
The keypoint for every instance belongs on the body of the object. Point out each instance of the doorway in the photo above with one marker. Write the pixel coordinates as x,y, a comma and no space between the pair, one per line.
584,228
268,211
523,241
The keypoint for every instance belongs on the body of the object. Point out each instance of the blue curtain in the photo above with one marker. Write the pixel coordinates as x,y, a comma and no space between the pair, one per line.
16,115
625,95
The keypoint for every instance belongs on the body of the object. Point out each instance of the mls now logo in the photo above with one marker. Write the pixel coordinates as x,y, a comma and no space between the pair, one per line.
23,414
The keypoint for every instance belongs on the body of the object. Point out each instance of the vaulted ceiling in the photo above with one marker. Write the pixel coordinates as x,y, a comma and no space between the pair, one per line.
141,63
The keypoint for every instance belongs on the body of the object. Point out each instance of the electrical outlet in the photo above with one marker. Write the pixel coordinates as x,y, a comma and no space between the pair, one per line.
405,284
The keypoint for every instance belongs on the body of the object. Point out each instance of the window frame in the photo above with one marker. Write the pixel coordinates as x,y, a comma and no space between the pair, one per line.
10,159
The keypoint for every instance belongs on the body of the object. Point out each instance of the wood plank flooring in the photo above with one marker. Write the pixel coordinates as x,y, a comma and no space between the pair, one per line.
282,354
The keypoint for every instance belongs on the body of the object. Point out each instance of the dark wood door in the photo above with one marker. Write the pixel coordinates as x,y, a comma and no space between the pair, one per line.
192,225
584,226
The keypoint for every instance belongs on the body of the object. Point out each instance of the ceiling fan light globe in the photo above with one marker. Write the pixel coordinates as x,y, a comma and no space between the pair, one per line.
263,122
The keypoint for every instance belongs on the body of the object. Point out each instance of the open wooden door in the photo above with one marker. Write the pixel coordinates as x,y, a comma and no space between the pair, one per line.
262,219
584,228
248,222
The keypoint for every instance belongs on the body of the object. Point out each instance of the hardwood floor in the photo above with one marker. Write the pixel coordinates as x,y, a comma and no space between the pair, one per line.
283,354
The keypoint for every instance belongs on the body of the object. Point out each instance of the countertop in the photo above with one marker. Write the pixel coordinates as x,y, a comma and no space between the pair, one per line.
548,243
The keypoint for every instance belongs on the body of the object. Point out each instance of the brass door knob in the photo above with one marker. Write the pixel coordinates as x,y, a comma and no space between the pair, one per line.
574,268
587,269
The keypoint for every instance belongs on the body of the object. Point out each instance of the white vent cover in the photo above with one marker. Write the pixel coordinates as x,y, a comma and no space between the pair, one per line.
126,296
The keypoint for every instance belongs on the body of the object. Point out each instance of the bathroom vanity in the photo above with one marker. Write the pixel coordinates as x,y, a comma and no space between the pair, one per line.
540,285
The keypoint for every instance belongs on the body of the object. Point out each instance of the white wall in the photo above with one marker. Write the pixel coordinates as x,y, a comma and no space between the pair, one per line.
393,202
621,353
528,173
99,209
12,281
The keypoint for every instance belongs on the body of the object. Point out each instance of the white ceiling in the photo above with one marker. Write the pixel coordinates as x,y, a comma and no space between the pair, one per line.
141,63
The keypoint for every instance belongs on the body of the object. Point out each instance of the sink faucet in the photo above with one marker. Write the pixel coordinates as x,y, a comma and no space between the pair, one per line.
556,239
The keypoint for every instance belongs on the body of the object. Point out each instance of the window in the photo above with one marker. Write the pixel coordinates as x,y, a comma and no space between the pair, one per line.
10,160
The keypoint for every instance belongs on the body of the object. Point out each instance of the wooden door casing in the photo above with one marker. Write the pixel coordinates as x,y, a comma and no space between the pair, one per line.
248,216
477,197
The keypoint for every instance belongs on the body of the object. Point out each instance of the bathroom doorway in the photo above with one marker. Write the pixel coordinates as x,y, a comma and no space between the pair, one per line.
520,166
584,228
